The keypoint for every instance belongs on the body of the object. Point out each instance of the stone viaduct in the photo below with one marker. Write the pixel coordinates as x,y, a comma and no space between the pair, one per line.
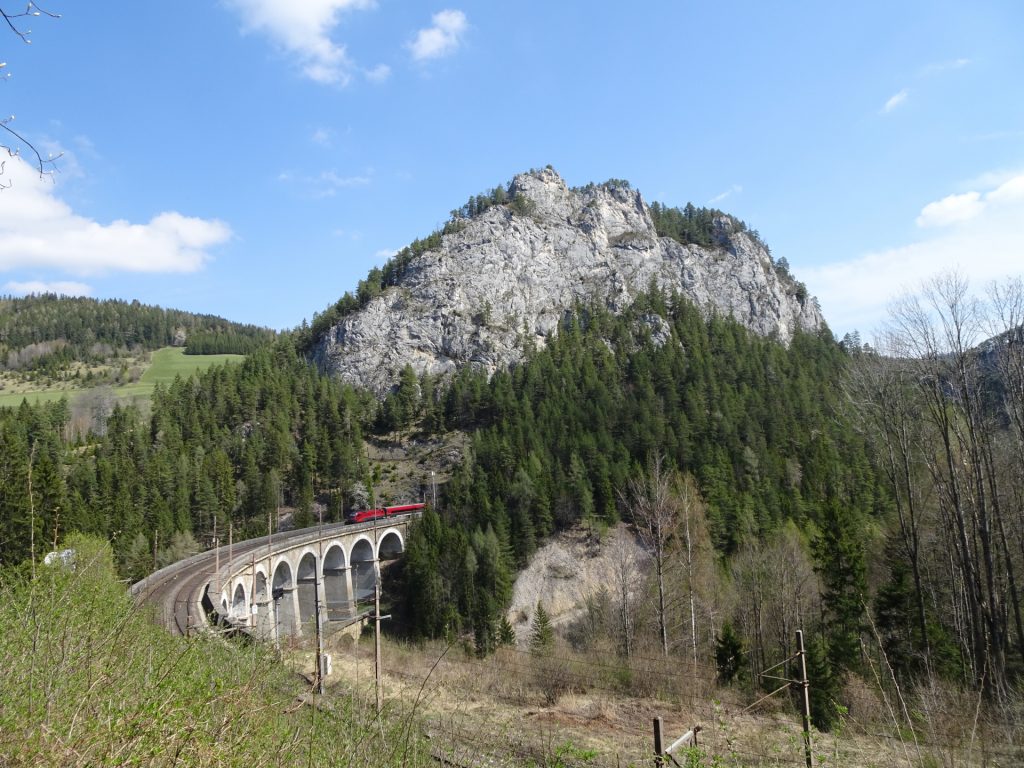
270,587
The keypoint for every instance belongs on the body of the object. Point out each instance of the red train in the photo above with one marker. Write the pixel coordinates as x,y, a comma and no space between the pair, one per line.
365,515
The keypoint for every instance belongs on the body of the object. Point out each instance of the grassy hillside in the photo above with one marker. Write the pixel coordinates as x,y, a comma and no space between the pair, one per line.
168,363
163,366
87,679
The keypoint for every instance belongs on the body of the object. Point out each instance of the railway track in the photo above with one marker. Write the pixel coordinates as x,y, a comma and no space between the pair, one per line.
177,591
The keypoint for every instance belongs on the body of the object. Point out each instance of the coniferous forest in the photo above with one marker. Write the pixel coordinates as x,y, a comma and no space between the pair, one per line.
868,496
51,331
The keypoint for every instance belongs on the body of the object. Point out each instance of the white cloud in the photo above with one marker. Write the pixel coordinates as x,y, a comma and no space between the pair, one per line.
985,246
954,209
39,230
336,181
896,100
951,210
384,254
991,179
735,189
945,66
378,74
321,136
1009,191
61,287
323,184
442,39
304,28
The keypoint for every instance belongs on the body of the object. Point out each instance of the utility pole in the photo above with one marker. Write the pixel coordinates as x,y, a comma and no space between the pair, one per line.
319,640
377,670
216,555
32,509
253,608
806,699
319,615
276,594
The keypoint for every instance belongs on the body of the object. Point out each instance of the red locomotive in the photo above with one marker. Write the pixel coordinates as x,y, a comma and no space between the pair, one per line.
365,515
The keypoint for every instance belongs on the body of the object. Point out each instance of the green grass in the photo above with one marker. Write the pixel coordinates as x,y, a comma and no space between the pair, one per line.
86,679
166,363
13,399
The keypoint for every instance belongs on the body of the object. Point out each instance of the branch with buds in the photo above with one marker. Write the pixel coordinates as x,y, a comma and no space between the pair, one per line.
14,21
31,11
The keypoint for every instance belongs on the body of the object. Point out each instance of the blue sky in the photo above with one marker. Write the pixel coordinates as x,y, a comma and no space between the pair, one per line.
255,158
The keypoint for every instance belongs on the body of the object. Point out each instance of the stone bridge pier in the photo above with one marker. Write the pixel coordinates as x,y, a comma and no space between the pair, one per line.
272,592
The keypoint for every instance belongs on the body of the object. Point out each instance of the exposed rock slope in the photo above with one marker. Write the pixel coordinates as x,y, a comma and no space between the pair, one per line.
506,274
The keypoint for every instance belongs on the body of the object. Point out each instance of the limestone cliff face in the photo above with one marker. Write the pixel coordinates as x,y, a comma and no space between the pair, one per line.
509,274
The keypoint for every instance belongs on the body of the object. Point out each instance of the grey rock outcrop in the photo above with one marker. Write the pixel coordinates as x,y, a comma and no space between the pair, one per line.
507,275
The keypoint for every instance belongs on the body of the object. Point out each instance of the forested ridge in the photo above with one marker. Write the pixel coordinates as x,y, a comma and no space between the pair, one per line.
51,330
558,440
870,497
227,447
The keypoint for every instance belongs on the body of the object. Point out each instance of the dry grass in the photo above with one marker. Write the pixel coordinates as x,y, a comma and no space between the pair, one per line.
516,708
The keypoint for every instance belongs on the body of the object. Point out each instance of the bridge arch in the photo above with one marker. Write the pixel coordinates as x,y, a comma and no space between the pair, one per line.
239,604
283,596
390,546
307,590
363,560
337,587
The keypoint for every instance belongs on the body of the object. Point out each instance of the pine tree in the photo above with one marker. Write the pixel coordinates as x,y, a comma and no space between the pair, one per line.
841,563
730,657
542,634
506,634
825,686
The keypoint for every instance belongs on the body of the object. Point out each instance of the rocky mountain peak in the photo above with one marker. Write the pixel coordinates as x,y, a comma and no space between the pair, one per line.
510,264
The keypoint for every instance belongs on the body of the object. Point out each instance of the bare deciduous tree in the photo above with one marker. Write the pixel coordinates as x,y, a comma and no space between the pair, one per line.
945,400
882,391
626,570
656,512
778,592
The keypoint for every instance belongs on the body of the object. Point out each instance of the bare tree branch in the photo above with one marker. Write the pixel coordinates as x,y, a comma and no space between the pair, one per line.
31,11
45,166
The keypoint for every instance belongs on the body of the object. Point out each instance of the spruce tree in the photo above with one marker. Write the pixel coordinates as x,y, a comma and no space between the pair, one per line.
542,634
506,634
729,654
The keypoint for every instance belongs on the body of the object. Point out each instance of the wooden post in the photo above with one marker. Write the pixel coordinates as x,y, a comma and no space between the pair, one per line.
253,609
319,643
277,626
318,569
377,671
805,685
216,556
659,753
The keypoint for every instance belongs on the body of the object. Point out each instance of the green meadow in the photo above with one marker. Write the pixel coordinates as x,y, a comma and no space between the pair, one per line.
165,364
